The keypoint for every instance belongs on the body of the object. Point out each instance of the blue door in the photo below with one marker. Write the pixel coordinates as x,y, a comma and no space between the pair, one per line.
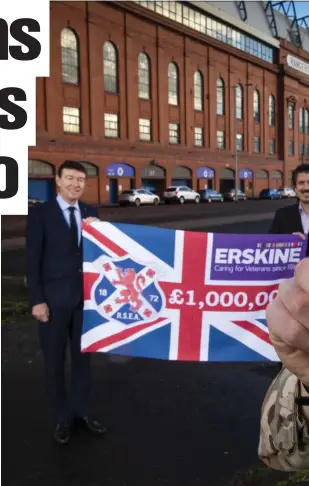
113,191
41,189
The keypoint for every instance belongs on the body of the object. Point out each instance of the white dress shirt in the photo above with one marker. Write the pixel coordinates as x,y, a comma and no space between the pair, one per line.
66,213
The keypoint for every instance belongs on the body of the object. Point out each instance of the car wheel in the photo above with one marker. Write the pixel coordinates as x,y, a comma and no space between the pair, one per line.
209,199
137,202
156,201
181,200
197,200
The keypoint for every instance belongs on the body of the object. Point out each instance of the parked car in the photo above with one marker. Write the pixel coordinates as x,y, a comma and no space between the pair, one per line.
32,201
270,194
181,194
210,195
231,195
287,192
138,197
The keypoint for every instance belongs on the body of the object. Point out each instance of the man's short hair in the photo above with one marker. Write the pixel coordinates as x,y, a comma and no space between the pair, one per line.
301,169
71,164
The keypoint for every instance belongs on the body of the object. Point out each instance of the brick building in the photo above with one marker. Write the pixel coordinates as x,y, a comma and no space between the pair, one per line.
150,93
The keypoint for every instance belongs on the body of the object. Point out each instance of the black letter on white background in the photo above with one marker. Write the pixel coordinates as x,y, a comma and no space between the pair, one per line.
17,111
11,185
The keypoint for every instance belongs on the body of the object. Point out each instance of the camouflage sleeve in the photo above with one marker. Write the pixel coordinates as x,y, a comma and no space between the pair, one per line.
284,431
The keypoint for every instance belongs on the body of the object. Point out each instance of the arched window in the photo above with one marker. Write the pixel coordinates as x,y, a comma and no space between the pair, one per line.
291,109
69,56
256,106
301,119
271,111
239,102
306,121
198,91
220,97
173,88
92,170
110,68
38,168
143,76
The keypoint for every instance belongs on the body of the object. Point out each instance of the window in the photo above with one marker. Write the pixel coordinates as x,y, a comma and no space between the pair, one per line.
198,91
291,147
174,133
220,96
145,129
111,124
256,144
291,115
40,168
256,106
110,68
198,136
306,151
143,76
220,139
69,57
200,22
271,111
240,142
92,170
301,149
306,121
301,119
271,146
239,102
71,119
173,95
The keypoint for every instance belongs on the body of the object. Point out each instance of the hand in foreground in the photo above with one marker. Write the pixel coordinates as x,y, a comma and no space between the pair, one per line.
90,220
41,312
301,235
288,322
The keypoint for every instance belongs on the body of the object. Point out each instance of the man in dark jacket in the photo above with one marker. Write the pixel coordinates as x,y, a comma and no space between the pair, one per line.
55,281
295,219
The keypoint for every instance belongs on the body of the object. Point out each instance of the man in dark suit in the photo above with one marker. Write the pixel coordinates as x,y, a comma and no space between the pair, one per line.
295,219
55,282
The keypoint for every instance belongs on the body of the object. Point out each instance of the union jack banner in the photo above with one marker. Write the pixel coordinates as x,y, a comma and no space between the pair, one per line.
181,295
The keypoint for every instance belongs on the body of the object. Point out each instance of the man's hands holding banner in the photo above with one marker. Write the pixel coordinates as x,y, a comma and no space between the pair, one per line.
288,321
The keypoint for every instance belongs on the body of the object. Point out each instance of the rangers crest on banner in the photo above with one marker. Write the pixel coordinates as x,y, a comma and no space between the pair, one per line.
127,291
182,295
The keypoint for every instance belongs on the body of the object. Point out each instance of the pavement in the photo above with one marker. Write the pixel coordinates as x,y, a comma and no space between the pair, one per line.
170,423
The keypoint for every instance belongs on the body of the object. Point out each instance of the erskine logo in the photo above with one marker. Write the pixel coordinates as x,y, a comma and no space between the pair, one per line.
257,256
24,55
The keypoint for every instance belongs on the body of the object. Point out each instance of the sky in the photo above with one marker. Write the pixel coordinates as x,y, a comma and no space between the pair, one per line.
302,8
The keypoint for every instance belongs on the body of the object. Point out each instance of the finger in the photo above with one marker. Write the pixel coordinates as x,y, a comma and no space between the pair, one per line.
295,300
301,275
301,235
283,327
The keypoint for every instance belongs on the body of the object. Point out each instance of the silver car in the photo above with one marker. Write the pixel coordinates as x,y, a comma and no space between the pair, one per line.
138,197
181,194
287,192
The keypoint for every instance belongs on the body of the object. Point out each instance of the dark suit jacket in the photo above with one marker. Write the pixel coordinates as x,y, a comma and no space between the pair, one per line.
287,221
54,266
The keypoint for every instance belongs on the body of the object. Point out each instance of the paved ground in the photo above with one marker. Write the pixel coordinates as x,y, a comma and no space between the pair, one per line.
175,424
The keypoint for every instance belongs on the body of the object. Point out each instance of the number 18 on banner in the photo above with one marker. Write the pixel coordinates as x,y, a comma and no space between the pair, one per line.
24,55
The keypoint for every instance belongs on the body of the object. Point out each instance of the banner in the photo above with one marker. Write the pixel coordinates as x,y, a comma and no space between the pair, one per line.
181,295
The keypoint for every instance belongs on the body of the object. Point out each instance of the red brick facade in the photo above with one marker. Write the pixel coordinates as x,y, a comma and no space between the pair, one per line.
134,29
